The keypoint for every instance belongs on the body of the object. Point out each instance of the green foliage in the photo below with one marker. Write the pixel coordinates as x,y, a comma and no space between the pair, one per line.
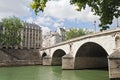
74,32
106,9
104,28
38,5
10,36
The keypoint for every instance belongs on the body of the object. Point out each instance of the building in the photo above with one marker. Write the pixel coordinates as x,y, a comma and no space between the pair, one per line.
61,32
31,36
54,37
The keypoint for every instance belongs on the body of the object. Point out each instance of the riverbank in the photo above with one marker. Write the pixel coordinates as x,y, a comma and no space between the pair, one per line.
19,57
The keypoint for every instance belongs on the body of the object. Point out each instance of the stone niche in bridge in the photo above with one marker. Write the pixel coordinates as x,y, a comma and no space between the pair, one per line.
114,65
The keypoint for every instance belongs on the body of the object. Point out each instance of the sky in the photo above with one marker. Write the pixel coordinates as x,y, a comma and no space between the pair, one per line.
58,13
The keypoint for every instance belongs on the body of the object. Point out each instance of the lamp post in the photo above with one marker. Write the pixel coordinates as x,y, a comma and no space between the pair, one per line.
95,26
117,22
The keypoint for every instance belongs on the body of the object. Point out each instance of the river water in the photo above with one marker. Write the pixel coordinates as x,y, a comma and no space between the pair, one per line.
50,73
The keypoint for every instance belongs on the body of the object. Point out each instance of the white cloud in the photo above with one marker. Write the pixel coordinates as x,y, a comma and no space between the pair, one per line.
14,8
116,23
58,11
58,24
21,8
62,9
30,20
41,21
44,21
45,30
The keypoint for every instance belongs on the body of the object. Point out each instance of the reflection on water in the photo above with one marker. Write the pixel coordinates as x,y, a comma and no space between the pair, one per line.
50,73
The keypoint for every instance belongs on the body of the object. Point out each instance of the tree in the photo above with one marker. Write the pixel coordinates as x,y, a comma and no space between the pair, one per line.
74,32
11,34
106,9
38,5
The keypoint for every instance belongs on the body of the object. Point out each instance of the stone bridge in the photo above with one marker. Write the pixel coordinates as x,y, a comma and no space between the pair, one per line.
89,51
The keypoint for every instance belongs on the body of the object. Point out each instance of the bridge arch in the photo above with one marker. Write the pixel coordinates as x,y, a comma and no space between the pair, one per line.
57,57
90,55
44,54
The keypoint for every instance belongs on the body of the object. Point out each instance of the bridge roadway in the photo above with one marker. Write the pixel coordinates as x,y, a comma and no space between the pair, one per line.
89,51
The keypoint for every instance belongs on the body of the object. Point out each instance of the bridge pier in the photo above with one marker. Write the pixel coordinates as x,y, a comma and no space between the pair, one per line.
47,60
114,65
68,62
52,61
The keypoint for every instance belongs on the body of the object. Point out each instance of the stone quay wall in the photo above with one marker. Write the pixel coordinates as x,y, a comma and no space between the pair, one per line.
19,57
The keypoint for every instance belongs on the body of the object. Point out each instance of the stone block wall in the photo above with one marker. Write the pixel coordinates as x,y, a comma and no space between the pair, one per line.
68,62
114,65
19,57
114,68
47,61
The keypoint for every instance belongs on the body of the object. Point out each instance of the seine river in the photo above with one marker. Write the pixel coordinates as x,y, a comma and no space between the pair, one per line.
50,73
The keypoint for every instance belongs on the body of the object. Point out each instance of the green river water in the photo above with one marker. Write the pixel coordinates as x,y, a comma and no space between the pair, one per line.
50,73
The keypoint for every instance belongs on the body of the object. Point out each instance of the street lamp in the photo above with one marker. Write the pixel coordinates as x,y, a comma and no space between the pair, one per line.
117,22
95,26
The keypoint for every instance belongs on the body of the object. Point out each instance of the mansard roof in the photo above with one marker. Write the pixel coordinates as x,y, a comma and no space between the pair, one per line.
32,25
